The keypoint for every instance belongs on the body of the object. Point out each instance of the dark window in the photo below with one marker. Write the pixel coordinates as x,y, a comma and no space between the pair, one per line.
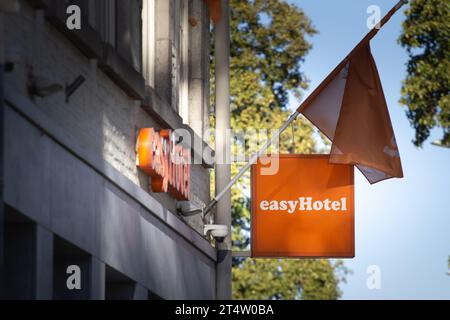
116,22
129,31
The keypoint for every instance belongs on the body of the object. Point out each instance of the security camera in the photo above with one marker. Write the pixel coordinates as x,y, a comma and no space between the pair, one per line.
217,231
42,87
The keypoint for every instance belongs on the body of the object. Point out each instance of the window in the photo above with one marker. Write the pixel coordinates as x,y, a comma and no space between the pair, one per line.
162,42
166,67
117,23
128,31
102,15
148,42
180,60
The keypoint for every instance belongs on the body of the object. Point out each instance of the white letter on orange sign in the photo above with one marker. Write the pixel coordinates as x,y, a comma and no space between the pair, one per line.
318,205
336,205
305,202
264,205
344,204
327,203
292,206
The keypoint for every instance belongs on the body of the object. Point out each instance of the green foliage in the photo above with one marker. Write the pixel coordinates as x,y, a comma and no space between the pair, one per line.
267,47
287,279
425,91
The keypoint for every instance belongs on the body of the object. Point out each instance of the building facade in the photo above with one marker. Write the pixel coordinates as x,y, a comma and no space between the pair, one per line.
80,219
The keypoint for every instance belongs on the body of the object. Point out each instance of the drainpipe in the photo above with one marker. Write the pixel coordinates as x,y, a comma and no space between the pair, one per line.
223,167
12,6
2,213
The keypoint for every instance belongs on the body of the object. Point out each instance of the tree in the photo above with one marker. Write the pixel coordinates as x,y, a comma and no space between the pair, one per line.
425,91
287,279
268,45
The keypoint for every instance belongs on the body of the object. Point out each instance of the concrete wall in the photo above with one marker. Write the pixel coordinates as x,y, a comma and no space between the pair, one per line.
75,201
70,168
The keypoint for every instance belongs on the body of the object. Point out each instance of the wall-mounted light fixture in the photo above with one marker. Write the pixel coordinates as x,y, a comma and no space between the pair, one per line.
42,87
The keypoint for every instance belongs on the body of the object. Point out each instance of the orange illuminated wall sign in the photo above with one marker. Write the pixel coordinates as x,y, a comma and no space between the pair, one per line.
306,209
167,163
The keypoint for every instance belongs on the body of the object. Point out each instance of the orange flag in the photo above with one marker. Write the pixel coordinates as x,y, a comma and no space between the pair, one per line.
215,9
350,109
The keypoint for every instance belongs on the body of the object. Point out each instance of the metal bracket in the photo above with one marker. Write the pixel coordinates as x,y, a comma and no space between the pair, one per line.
73,87
242,254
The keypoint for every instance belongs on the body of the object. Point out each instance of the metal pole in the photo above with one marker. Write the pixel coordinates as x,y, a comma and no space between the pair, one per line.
223,165
305,103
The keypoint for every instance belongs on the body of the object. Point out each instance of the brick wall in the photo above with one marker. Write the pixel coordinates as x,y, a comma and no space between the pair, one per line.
100,116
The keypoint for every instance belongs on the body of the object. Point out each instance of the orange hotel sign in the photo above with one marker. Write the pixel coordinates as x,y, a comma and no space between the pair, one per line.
305,209
166,162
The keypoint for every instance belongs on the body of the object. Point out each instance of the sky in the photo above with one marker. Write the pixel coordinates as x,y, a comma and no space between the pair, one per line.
402,225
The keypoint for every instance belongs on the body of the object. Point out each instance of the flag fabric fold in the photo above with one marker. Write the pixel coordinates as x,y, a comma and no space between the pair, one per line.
351,110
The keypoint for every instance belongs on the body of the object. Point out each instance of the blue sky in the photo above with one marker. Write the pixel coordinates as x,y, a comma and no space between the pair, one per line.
402,225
